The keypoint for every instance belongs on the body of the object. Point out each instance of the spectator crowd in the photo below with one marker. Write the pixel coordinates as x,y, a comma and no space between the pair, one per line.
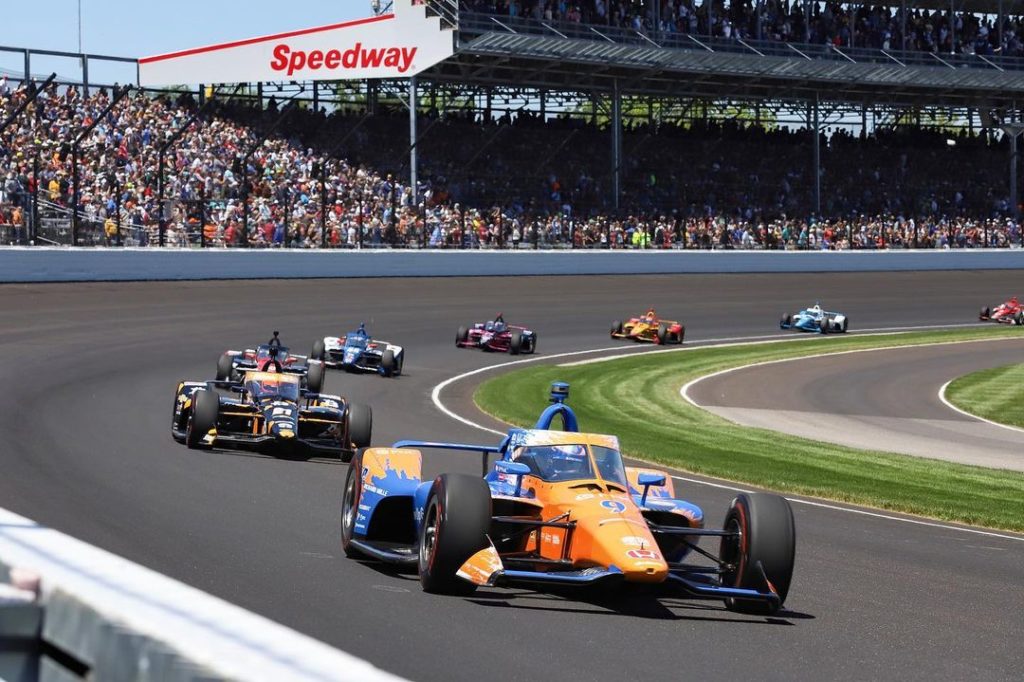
823,23
276,176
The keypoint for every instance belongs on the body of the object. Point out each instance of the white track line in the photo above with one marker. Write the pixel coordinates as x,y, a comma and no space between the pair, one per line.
435,397
947,403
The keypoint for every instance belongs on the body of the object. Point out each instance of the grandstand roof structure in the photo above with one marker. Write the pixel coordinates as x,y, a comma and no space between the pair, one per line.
532,53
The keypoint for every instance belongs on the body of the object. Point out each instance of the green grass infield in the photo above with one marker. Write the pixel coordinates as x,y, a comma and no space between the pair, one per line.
996,394
637,399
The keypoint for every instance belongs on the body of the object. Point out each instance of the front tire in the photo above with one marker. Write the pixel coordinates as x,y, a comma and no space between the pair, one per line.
662,334
205,410
456,521
846,325
388,363
315,377
319,352
225,363
515,342
767,540
461,336
360,424
350,504
823,325
616,328
681,334
986,313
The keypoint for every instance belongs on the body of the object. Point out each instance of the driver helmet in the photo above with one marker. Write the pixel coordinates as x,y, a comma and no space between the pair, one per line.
499,326
569,460
489,326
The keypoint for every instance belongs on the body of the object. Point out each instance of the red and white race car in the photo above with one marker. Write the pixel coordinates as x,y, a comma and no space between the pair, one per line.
1009,312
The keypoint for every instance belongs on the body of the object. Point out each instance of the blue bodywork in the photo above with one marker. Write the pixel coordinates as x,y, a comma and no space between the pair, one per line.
360,352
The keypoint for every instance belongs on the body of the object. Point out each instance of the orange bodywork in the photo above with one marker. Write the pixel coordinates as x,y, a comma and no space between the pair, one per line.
609,530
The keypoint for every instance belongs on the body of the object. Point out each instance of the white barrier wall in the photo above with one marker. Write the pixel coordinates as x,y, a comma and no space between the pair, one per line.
75,265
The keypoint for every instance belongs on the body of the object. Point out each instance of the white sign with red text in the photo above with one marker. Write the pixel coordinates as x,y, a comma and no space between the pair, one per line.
397,45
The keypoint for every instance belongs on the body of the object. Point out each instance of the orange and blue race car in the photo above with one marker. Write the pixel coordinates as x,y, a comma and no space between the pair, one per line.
559,507
650,328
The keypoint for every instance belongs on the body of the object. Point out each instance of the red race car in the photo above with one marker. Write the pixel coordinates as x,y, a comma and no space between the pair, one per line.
496,335
1010,312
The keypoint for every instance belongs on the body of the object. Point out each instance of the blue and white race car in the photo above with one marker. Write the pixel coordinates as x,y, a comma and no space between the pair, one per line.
814,319
357,351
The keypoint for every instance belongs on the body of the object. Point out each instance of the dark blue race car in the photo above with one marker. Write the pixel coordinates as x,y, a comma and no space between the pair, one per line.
358,352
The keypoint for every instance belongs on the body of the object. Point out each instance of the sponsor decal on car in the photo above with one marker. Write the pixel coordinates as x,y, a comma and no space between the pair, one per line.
643,554
614,506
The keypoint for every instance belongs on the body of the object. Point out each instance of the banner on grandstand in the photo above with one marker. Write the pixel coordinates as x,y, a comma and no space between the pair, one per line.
397,45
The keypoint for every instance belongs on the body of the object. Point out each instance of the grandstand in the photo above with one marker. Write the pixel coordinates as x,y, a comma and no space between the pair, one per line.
649,124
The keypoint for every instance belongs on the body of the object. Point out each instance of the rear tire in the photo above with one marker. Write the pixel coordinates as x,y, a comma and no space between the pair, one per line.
225,364
205,410
315,377
387,363
456,521
461,336
515,342
616,328
318,352
360,424
767,537
350,504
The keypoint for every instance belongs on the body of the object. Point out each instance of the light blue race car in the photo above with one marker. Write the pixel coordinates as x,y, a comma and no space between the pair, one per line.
814,319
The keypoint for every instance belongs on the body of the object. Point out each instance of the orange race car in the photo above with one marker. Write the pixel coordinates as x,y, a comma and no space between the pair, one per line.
650,328
558,507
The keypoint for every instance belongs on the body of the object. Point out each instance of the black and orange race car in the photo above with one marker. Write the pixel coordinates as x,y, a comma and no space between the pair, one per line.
269,411
649,328
1010,312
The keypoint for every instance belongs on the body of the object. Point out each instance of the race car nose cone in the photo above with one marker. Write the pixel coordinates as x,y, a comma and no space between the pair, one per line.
282,431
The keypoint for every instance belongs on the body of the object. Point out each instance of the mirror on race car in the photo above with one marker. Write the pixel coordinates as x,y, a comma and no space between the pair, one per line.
647,480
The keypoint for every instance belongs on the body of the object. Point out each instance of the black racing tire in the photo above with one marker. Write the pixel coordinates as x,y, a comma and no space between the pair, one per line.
767,537
318,352
786,321
225,364
360,424
315,377
823,325
846,325
1018,319
456,520
515,342
388,363
531,344
205,410
662,333
461,335
986,313
350,504
616,328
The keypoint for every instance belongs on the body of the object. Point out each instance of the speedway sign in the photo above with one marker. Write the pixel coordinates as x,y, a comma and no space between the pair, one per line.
397,45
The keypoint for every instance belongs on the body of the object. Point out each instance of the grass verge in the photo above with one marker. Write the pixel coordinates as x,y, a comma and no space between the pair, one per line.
637,398
996,394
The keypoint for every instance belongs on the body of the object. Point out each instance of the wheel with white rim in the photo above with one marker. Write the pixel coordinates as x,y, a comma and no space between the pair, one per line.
350,504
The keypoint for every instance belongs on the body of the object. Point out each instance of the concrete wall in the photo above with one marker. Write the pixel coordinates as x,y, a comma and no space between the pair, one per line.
74,265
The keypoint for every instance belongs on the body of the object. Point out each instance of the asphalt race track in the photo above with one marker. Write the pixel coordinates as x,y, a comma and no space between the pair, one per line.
885,400
88,380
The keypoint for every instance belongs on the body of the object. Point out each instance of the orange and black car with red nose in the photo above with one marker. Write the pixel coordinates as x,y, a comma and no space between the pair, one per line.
559,507
649,328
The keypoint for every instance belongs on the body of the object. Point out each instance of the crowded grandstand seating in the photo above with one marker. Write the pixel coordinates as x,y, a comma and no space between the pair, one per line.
510,181
838,24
